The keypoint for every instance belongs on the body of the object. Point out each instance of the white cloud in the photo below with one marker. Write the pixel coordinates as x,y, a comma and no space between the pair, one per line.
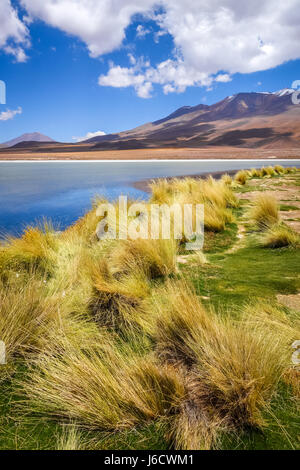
213,36
144,90
223,78
100,24
89,135
10,114
171,74
168,89
17,52
123,77
13,32
213,39
233,36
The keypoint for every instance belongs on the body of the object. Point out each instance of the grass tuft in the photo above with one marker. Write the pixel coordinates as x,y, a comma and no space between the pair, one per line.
264,212
241,177
231,369
279,236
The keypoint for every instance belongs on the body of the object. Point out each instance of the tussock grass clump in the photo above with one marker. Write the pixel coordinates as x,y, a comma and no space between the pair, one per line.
268,172
218,193
217,196
117,302
153,258
216,218
189,190
25,314
232,368
121,279
227,179
162,191
185,185
271,171
279,236
101,386
279,169
291,170
208,372
34,250
254,173
264,212
264,172
241,177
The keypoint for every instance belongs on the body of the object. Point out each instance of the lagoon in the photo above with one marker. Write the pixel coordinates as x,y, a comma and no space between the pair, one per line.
62,191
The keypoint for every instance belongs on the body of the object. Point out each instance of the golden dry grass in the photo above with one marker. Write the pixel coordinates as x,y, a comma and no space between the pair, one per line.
231,368
101,386
279,236
111,340
25,315
34,250
264,212
241,177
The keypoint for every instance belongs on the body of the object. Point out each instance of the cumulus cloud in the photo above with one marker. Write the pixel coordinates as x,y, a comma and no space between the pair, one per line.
213,35
172,75
89,135
10,114
233,36
213,39
223,78
137,76
100,24
14,35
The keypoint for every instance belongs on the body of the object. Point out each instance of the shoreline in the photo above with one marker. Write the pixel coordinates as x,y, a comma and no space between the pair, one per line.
150,154
144,185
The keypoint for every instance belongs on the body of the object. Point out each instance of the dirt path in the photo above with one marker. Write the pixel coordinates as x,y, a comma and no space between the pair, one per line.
240,243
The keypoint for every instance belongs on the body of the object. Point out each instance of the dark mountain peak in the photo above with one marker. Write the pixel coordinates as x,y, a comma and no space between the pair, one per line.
242,104
250,104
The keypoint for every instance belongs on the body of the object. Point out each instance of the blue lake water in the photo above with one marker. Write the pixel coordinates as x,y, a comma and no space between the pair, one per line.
62,191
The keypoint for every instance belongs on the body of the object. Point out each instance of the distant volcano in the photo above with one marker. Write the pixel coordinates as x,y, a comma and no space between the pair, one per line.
30,137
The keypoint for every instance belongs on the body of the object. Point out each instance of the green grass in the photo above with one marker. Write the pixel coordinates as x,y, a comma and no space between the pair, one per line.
218,242
19,432
283,428
288,207
248,273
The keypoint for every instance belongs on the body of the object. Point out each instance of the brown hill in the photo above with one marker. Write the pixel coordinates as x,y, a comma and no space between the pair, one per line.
244,121
248,120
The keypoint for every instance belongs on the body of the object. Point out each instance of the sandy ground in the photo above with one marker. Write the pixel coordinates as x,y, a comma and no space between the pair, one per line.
158,154
290,301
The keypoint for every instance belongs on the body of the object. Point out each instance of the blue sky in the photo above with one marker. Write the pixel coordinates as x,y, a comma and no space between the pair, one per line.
66,83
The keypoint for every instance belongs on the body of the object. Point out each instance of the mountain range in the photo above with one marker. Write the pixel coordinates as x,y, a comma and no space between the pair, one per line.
246,120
